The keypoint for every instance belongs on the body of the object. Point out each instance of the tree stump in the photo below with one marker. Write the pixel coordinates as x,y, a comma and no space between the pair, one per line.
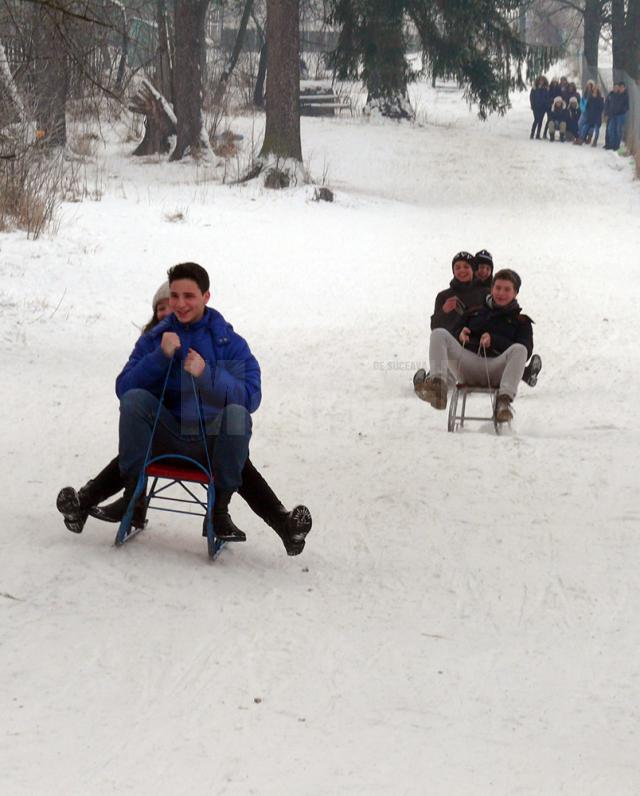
160,120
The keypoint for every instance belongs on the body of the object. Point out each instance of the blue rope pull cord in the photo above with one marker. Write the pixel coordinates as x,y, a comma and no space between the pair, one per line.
157,417
202,426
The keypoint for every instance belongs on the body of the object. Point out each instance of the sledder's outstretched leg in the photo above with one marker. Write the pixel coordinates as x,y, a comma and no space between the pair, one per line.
291,526
75,506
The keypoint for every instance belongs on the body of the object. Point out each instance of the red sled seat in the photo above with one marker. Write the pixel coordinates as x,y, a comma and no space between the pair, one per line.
177,473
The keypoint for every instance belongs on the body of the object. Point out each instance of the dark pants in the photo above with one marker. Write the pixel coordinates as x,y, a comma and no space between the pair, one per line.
257,493
227,438
536,127
615,129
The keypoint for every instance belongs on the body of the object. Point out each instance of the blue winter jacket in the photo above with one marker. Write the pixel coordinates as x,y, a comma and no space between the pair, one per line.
231,375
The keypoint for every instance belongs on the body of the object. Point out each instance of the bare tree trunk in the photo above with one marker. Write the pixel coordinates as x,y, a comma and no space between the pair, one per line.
633,41
9,94
258,94
124,51
592,28
282,132
51,75
235,54
618,37
188,78
160,121
625,29
164,74
384,63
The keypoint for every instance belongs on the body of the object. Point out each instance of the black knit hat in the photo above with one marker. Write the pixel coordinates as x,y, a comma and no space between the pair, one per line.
466,257
483,256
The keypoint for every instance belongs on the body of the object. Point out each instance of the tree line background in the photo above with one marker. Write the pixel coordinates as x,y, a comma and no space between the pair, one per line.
203,55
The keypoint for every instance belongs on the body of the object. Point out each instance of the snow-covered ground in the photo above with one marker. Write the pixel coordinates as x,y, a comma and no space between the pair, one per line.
464,618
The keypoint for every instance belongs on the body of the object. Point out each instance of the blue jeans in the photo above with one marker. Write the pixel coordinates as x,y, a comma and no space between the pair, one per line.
615,128
227,438
595,129
583,126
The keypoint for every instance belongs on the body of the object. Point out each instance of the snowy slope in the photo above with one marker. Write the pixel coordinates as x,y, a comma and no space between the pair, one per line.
464,617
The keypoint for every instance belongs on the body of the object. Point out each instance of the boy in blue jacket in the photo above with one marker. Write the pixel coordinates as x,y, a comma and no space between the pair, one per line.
202,349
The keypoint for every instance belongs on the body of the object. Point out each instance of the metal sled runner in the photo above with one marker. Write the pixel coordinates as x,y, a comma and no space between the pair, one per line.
175,469
462,391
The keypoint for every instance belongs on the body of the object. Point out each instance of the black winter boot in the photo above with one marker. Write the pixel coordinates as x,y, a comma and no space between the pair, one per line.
530,374
114,512
292,527
74,506
223,525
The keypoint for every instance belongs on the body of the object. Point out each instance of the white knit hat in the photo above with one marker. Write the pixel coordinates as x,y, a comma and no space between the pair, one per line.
163,292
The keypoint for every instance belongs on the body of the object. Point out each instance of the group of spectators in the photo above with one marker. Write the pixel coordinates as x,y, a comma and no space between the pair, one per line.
578,118
479,335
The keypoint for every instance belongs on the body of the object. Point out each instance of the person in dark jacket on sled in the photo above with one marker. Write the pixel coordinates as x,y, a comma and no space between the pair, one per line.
462,295
484,276
489,348
226,373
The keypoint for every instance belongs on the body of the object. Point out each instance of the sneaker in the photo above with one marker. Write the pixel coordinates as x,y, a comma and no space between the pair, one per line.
434,391
530,375
504,412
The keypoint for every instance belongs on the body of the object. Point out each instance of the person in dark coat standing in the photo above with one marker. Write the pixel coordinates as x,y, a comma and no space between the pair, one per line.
491,343
539,100
616,108
593,116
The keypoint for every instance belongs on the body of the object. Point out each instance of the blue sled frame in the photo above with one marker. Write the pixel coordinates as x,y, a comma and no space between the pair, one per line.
191,472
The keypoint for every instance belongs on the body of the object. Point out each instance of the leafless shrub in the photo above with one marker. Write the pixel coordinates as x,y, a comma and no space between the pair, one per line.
79,182
177,216
29,181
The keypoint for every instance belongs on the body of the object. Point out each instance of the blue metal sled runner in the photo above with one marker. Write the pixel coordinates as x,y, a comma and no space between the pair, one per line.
175,469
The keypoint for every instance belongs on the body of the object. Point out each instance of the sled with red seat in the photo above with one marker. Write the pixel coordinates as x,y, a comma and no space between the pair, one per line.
176,470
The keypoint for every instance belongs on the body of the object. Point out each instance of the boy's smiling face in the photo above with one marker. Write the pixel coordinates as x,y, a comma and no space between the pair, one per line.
187,301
